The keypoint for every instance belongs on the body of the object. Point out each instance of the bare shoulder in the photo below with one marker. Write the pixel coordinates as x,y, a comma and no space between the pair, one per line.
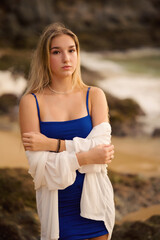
99,106
96,90
27,99
27,104
28,118
97,94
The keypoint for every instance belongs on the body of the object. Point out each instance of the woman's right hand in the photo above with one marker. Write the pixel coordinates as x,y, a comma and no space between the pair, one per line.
101,154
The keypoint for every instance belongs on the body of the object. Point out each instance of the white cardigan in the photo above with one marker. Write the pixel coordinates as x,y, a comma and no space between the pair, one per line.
52,171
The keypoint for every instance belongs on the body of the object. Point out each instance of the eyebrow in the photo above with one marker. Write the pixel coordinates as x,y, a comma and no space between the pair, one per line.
72,46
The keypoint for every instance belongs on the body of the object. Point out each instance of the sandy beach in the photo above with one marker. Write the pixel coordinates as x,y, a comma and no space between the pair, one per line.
139,155
132,155
11,150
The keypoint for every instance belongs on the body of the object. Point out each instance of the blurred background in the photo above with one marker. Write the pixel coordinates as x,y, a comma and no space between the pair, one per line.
120,53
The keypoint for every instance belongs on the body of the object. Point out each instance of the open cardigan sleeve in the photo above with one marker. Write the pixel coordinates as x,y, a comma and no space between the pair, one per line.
100,134
53,170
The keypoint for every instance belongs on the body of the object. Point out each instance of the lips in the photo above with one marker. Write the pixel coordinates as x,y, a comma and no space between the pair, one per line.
66,67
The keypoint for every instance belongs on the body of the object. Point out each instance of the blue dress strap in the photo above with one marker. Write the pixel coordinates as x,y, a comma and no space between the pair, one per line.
37,105
87,100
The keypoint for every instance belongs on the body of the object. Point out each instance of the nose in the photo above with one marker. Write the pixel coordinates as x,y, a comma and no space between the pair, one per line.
65,57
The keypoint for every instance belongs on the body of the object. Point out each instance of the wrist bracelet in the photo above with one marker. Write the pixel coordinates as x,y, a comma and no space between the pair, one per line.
58,145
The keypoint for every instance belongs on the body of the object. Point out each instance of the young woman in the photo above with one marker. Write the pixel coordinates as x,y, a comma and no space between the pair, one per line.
58,106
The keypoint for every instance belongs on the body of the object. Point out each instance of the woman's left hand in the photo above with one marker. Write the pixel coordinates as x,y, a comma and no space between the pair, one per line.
35,141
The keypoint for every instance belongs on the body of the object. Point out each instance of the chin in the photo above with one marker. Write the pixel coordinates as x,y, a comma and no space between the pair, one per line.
67,74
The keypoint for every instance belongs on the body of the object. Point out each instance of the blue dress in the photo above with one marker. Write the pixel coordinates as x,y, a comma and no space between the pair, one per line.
72,226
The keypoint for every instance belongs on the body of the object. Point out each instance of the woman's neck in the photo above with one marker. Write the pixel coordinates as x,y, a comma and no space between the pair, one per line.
61,85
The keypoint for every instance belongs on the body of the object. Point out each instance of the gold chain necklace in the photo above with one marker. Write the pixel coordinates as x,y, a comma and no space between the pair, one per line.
59,92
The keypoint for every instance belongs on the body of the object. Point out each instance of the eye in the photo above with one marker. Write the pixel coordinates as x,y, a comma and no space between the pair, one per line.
55,52
72,50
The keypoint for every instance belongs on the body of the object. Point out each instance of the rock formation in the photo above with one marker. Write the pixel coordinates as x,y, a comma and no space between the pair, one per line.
18,216
118,24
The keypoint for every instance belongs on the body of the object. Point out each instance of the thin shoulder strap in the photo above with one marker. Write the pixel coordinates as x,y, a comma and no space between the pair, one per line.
37,105
87,100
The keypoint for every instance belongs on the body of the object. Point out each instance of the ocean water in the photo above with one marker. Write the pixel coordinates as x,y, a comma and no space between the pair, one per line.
11,84
133,75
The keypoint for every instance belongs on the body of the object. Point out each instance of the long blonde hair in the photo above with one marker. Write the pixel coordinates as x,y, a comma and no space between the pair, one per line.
40,71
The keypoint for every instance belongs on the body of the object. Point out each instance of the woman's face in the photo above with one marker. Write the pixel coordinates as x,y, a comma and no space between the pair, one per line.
63,56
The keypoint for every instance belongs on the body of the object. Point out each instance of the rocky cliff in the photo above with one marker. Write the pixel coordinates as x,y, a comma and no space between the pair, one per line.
110,24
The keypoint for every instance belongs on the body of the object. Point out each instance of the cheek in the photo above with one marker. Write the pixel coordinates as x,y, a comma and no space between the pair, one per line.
53,62
75,59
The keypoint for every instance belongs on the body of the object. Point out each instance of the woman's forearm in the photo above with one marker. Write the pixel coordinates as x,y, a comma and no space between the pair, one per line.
52,145
101,154
82,158
62,146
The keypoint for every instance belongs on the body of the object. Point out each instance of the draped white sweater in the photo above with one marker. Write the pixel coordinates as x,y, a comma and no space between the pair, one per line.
52,171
